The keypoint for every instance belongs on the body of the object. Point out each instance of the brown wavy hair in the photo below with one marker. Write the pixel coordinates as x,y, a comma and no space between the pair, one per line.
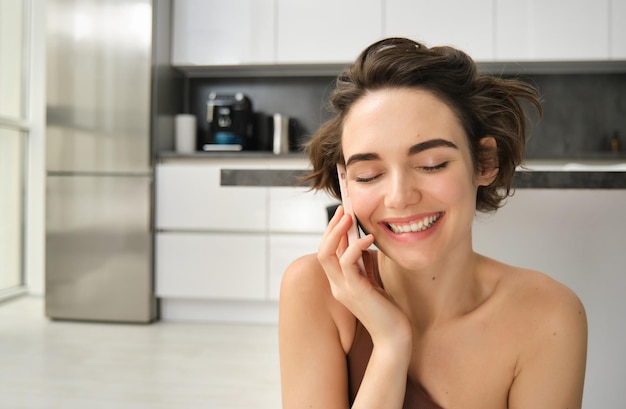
485,105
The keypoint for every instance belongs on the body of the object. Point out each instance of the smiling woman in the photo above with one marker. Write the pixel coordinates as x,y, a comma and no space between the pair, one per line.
427,142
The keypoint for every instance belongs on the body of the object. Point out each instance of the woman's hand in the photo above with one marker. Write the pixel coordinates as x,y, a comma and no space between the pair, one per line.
314,370
359,291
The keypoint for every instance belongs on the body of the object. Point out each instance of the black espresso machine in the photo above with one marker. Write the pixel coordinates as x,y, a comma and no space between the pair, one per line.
230,122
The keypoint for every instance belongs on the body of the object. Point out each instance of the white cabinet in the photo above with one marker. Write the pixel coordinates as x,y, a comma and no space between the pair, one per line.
211,240
223,266
217,32
249,32
552,30
189,197
298,218
617,36
298,210
283,250
230,243
326,31
467,25
297,221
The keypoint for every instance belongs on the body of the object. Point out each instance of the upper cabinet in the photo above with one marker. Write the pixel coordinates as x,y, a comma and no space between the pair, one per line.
218,32
325,31
467,25
617,36
257,32
552,30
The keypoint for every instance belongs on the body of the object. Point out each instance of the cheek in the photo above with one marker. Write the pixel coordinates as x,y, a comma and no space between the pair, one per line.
454,190
364,202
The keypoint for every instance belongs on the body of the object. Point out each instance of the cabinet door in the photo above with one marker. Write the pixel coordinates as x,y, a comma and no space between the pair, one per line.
467,25
618,30
552,30
189,197
283,250
298,210
216,266
326,31
217,32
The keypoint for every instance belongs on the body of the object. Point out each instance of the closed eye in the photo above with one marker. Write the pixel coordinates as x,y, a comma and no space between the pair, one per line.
366,179
434,168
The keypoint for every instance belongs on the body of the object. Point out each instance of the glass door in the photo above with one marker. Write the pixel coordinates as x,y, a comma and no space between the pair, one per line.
13,136
11,208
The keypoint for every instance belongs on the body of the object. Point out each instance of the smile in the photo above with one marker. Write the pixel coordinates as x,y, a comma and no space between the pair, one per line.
416,226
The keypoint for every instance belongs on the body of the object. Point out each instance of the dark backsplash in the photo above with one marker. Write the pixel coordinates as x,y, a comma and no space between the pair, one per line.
581,114
581,111
301,98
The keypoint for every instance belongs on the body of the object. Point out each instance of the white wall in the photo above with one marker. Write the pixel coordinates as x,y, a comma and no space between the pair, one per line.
579,238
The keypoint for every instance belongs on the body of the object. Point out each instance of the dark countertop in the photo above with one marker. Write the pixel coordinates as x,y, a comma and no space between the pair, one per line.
544,174
569,180
523,180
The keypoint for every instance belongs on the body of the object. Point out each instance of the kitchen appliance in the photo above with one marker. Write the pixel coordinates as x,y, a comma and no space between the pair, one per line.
280,140
279,133
230,123
109,100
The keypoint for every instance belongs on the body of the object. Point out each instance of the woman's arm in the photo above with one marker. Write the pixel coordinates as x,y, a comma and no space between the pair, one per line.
551,368
313,364
312,360
314,304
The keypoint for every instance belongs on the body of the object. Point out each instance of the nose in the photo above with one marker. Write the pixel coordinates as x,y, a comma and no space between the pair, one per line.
402,191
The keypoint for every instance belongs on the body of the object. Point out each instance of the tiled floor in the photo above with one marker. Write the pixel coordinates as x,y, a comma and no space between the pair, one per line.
57,364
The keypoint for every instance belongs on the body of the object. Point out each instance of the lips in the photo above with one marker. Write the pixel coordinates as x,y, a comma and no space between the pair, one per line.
414,226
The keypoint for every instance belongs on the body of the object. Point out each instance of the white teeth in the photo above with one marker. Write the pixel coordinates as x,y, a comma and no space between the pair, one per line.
422,225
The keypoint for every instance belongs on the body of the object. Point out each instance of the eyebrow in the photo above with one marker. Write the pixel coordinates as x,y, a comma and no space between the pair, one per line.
417,148
430,144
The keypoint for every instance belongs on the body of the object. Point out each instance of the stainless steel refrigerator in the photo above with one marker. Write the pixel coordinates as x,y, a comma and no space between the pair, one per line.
110,99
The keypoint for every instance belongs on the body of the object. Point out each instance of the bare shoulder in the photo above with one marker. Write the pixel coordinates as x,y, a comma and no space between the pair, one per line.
304,284
550,326
312,357
305,293
534,292
304,275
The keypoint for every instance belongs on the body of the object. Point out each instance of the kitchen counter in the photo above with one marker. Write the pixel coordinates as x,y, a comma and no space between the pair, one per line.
568,174
569,180
239,155
290,168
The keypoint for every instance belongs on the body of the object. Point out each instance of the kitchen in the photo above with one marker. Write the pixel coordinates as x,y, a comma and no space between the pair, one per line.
288,72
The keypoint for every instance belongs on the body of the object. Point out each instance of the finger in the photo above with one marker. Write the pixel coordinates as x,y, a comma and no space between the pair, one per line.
351,259
337,241
333,245
334,240
339,212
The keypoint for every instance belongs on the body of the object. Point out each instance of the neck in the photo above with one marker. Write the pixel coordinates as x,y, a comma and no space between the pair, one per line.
430,297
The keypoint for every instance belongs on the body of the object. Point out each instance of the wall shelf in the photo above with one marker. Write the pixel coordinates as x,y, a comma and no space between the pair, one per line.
332,70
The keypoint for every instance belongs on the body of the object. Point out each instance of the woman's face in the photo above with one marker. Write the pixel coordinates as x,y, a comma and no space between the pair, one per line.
410,175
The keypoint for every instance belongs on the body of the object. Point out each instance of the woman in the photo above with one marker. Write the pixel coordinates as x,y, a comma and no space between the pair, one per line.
427,142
